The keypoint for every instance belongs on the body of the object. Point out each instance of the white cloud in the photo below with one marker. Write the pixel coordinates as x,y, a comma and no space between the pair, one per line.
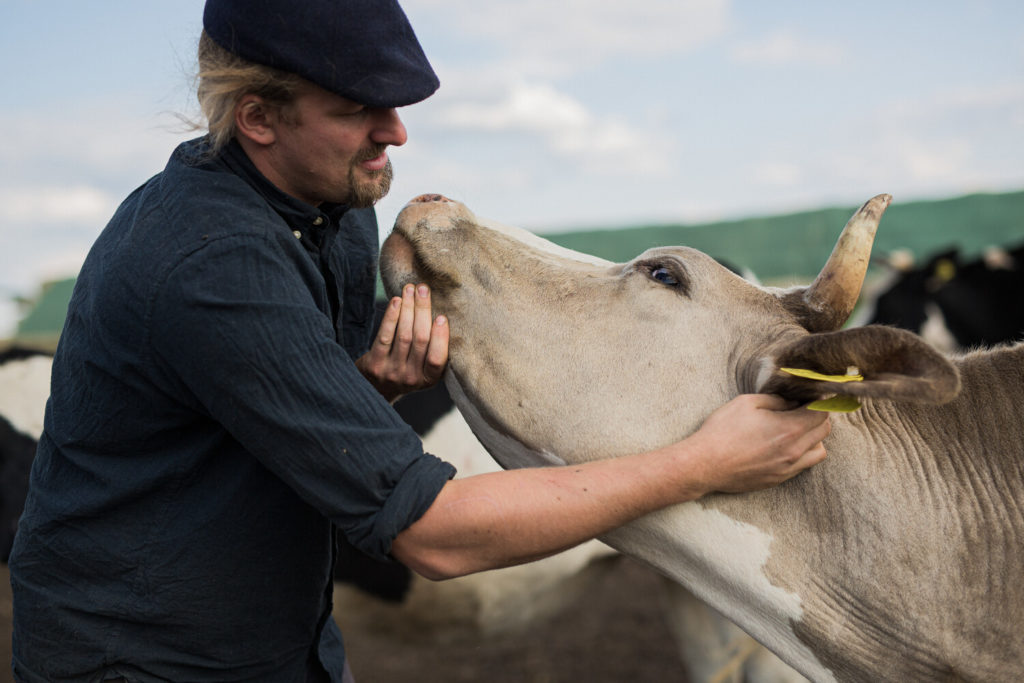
571,33
101,142
565,125
785,48
777,174
952,140
528,107
929,162
1007,97
42,205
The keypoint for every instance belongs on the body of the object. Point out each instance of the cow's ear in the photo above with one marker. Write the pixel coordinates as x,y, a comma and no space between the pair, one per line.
875,361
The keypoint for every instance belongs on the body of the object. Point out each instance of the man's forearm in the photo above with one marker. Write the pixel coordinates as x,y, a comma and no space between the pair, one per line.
505,518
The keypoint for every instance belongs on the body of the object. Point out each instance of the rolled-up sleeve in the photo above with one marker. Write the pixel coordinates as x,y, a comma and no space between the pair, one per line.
240,333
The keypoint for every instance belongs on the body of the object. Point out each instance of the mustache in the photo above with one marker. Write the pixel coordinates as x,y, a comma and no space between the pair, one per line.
370,153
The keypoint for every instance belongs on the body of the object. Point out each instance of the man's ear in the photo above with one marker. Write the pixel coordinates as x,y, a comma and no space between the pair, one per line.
890,363
255,120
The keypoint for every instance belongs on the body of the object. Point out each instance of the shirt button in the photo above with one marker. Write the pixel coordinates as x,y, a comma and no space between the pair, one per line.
298,234
319,220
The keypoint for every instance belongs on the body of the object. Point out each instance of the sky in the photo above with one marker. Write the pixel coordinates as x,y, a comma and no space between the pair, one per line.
552,115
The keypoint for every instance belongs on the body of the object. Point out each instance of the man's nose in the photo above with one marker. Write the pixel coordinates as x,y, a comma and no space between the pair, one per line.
388,128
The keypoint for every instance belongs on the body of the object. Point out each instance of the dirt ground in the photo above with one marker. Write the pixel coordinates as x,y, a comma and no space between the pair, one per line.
614,634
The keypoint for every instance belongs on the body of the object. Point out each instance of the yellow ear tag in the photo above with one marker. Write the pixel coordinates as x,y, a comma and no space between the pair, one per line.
945,270
835,404
851,375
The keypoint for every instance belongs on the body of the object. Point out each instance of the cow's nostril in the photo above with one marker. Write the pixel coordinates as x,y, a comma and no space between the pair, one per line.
424,198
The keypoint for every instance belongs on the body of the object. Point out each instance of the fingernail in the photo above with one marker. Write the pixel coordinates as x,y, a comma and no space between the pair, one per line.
441,321
408,290
423,291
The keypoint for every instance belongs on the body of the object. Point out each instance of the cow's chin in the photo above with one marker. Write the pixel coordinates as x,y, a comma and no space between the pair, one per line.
506,450
397,263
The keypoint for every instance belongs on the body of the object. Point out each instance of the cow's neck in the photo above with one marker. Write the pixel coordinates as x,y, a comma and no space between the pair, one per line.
968,449
901,525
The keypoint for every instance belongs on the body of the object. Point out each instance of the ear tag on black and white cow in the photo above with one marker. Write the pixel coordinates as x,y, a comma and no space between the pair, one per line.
835,404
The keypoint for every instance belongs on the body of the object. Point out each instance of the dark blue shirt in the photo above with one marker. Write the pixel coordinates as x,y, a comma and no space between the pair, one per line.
206,427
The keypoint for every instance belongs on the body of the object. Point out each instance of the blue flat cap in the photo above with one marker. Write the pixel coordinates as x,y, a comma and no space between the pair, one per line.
363,50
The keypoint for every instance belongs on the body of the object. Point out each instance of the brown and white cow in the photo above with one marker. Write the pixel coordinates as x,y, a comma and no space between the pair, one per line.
898,558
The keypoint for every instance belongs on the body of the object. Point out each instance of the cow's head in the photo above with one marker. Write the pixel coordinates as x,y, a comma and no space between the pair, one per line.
550,344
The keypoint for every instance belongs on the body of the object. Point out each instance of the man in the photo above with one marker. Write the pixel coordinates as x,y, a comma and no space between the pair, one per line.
220,404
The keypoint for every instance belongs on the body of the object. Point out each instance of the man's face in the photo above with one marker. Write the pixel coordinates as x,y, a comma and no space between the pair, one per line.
330,149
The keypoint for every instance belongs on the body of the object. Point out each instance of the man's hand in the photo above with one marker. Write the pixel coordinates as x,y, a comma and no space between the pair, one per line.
755,441
411,348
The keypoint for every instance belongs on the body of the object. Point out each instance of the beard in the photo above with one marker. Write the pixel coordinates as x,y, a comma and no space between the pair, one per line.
365,192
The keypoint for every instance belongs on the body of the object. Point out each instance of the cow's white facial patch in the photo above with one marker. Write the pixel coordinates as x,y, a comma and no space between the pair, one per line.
24,388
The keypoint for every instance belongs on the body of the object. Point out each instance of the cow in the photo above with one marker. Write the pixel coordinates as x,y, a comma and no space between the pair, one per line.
898,558
24,386
956,304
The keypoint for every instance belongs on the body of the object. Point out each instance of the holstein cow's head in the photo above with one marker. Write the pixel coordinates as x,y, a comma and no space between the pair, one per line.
548,344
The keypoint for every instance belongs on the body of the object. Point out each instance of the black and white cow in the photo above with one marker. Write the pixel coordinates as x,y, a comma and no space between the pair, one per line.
24,386
955,304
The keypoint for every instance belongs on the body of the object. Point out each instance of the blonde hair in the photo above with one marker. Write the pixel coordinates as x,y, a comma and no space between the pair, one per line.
224,78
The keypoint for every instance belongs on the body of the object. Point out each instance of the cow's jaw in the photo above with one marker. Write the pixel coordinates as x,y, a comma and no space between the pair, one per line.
509,452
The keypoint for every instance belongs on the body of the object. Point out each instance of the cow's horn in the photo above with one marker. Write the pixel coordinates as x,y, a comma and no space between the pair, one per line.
830,299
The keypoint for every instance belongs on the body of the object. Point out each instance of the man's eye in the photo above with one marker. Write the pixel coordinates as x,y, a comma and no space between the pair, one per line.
664,276
355,110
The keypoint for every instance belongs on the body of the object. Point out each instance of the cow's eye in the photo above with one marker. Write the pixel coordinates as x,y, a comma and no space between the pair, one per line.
665,271
664,276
